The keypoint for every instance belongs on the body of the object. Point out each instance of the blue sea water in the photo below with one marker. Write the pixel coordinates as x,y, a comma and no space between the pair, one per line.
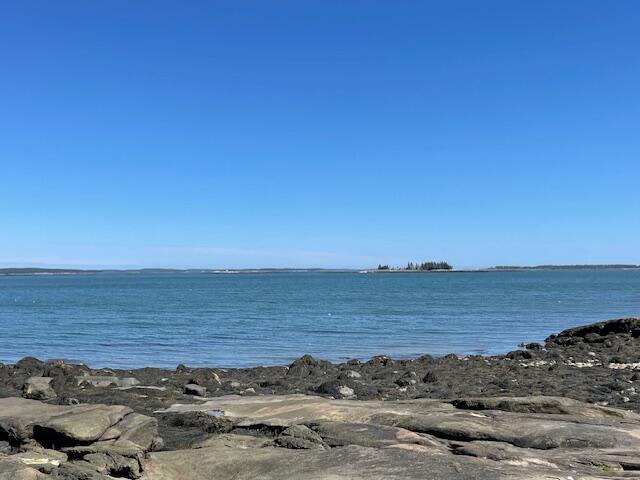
162,319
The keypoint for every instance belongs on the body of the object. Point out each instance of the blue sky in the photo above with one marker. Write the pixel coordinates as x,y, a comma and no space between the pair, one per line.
332,134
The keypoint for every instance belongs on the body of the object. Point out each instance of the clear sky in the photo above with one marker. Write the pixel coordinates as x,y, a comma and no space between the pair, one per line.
319,133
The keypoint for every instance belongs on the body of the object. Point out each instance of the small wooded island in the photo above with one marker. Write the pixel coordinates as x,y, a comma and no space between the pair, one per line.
417,267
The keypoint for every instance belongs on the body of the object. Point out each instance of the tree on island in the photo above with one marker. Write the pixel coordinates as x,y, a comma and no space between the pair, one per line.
434,266
419,267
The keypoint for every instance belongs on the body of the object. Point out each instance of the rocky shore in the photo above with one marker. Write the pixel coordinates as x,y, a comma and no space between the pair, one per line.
567,409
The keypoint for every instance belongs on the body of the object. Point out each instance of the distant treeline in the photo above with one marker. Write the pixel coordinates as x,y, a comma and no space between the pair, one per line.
564,267
419,267
34,271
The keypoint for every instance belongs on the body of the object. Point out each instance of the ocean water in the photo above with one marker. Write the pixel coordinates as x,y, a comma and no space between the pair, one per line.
239,320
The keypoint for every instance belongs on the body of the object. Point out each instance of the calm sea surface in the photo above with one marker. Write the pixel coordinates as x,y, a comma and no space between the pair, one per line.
227,320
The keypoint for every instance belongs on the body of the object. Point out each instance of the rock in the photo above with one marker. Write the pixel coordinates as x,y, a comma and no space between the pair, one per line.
12,468
135,431
193,389
622,326
115,465
593,337
29,363
340,434
352,462
349,374
107,381
38,388
539,404
495,424
231,440
430,377
80,470
380,361
407,380
503,438
84,442
306,366
182,368
203,377
60,368
42,459
183,430
336,388
59,425
5,447
520,355
300,437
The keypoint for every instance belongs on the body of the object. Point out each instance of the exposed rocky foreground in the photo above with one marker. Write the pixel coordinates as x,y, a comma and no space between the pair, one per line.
519,415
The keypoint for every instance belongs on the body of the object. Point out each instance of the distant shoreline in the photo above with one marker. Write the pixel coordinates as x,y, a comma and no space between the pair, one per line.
67,271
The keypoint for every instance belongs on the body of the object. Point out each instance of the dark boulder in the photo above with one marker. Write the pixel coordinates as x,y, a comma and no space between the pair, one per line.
307,366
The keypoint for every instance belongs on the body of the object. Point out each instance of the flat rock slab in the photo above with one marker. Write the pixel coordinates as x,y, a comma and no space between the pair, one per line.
81,423
287,410
352,462
61,425
496,438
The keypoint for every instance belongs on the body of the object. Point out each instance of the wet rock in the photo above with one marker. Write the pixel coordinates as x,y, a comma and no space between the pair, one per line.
593,338
622,326
307,366
520,355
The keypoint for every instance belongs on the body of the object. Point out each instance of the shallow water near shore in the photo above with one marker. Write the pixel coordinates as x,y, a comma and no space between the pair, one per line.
162,319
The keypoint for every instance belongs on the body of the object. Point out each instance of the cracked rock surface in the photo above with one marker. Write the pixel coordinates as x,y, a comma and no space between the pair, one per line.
524,438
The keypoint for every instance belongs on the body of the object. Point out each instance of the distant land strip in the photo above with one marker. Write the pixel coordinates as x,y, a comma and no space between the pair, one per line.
498,268
567,267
